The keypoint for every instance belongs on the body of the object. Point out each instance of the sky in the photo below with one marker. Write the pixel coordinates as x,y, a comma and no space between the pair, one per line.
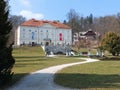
58,9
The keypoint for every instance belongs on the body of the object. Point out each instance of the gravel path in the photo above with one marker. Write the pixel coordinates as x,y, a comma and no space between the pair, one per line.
43,79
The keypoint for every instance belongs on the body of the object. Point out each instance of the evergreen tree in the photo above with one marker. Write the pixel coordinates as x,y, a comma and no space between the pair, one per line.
64,22
91,19
6,59
111,42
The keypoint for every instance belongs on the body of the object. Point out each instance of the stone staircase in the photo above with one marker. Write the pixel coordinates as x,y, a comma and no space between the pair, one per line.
58,49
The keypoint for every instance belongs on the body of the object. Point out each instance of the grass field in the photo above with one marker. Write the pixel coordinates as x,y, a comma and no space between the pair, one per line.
30,59
102,75
99,75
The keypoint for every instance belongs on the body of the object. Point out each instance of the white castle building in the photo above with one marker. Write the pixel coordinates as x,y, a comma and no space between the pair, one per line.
43,32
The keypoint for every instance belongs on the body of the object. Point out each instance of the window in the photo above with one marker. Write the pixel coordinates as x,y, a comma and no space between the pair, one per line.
33,35
23,29
47,34
23,33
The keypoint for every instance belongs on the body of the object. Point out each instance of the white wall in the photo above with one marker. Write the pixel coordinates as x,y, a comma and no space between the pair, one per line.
18,36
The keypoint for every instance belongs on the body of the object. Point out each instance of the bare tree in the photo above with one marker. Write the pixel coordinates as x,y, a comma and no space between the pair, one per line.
73,20
16,20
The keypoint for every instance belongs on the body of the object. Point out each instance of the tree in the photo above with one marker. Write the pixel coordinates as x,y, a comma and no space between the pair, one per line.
64,22
73,20
111,42
106,24
6,59
79,23
118,21
88,22
16,20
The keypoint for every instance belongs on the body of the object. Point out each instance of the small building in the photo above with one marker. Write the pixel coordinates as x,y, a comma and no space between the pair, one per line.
88,34
43,32
84,38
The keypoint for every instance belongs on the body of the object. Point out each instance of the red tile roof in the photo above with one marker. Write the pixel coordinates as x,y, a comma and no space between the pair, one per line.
35,23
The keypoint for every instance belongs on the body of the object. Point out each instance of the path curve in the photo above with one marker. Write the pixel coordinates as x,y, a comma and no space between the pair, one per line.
43,79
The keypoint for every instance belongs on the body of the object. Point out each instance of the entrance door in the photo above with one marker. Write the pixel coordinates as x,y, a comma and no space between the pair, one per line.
47,43
33,43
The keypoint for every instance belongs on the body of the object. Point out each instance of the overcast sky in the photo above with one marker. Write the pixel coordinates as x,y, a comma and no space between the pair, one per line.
58,9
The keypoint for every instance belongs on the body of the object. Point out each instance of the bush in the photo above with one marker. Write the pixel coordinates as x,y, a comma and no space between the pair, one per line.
111,42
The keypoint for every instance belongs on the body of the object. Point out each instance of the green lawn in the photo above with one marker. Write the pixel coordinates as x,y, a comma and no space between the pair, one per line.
30,59
93,51
102,75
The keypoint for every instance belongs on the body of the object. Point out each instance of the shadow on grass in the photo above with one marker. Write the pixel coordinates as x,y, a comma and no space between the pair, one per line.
28,64
30,58
16,78
87,81
20,57
111,58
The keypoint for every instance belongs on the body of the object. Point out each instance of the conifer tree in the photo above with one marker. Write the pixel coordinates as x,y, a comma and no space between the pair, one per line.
111,42
6,59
